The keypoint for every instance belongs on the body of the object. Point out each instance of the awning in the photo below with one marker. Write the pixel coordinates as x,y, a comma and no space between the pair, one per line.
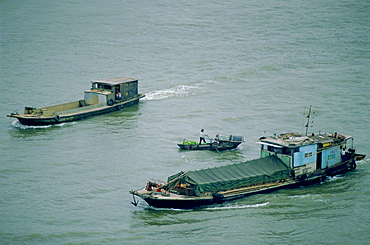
265,143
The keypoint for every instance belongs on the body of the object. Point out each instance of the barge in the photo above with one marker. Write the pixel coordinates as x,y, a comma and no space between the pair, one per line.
287,160
104,96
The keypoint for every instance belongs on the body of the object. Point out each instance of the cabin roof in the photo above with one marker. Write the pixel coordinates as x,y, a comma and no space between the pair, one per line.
291,140
115,81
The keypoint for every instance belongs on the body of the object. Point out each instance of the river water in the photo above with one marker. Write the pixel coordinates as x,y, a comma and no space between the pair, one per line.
248,68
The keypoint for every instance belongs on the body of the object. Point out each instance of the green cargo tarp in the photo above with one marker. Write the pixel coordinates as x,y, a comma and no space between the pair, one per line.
258,171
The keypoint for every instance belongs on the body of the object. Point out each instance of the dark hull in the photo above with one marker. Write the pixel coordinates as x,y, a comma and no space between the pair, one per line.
189,202
42,121
183,204
196,203
359,157
210,146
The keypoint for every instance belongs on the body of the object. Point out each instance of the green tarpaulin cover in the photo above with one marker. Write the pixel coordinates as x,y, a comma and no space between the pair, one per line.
258,171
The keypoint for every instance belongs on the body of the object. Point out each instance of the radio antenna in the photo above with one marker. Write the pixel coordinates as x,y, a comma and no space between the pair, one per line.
308,119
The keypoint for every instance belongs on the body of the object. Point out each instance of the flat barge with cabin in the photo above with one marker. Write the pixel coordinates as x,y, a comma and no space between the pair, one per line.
104,96
287,160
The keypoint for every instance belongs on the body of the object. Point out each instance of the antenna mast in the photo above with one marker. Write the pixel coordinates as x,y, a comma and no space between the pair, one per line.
308,119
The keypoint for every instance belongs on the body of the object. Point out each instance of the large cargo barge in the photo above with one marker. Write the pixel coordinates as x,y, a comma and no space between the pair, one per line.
287,160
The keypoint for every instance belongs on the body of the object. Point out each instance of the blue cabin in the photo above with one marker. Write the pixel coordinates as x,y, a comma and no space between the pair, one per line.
307,154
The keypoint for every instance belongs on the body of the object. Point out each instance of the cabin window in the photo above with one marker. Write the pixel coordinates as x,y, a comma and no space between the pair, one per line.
271,148
308,154
104,86
283,150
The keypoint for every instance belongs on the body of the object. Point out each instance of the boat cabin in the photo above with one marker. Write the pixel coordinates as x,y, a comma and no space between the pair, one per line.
109,91
306,154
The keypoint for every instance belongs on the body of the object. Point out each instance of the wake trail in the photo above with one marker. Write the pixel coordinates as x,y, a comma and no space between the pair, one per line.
177,91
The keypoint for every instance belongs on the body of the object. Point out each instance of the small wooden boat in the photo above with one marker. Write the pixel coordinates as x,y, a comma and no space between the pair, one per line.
104,96
221,143
287,160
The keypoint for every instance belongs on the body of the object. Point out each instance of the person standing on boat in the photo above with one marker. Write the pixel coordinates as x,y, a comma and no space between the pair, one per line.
201,135
118,95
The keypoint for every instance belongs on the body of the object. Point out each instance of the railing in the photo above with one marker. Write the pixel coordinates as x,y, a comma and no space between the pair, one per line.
79,109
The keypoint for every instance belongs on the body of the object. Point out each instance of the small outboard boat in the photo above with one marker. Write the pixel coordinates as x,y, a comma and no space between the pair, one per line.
218,144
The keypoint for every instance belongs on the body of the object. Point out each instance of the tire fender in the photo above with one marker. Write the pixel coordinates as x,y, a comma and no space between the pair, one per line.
110,102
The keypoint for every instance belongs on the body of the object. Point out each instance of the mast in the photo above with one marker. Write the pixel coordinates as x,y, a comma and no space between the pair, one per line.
308,119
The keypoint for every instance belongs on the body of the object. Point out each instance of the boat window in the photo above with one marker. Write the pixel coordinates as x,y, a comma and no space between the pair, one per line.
308,154
274,149
282,150
286,151
105,86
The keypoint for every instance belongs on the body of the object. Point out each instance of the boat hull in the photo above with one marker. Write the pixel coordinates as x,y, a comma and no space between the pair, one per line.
30,120
210,146
179,204
188,202
359,157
